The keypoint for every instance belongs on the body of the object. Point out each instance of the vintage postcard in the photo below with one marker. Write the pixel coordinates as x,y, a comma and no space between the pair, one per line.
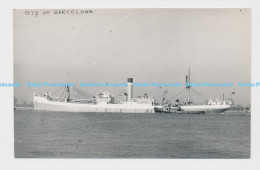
132,83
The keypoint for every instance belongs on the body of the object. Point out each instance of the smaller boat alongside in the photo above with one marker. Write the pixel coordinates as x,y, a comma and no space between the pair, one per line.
189,107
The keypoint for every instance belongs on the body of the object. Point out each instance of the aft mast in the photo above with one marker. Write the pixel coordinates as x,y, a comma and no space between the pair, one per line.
67,89
189,88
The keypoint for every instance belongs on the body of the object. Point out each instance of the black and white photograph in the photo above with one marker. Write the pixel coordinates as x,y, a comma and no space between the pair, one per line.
160,83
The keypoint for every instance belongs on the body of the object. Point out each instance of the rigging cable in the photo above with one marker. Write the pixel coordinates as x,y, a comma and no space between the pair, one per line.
56,90
62,93
199,94
177,94
83,92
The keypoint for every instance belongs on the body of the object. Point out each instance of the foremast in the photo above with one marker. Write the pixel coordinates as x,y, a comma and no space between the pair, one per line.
187,91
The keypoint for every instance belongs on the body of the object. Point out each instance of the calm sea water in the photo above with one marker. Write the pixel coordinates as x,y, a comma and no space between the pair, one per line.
114,135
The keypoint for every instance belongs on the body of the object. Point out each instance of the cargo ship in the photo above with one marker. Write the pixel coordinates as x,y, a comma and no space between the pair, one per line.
102,102
187,106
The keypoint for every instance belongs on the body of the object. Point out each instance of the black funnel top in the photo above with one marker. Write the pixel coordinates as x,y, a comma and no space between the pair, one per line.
130,80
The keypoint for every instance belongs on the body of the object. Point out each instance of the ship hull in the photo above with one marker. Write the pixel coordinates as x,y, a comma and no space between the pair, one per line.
205,108
41,103
194,109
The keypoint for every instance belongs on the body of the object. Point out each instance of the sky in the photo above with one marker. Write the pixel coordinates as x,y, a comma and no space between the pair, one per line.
150,45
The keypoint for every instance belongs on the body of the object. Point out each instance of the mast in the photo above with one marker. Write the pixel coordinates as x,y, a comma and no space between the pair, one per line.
67,89
187,88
